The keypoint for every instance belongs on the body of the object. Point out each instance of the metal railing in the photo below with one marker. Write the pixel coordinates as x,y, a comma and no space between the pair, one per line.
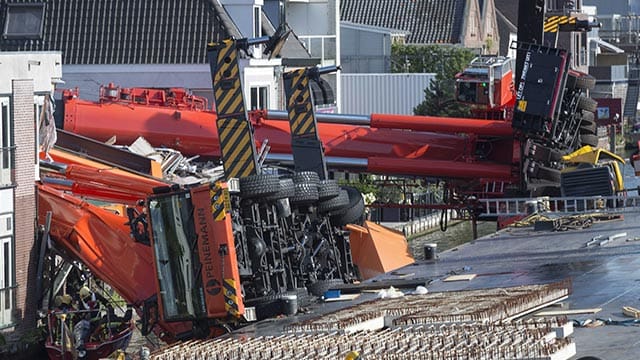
321,46
560,205
7,166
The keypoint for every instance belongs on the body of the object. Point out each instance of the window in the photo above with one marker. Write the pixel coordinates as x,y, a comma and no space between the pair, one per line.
176,255
259,97
6,222
257,28
38,107
24,21
6,143
6,282
257,22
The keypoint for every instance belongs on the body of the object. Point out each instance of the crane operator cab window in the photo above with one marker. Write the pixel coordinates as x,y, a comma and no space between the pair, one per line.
176,257
467,92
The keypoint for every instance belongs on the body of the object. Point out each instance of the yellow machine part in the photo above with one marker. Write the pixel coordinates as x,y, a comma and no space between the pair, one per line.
595,156
376,249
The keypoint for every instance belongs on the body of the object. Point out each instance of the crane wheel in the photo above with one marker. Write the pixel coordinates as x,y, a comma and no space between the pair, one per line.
287,190
588,116
319,287
589,139
336,203
353,213
578,80
306,177
587,103
305,193
587,128
328,189
259,186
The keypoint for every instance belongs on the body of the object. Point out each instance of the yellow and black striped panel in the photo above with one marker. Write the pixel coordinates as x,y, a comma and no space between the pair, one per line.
236,145
220,203
553,22
227,89
230,297
300,105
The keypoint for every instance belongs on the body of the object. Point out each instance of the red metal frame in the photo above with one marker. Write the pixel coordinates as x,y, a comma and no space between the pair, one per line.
423,146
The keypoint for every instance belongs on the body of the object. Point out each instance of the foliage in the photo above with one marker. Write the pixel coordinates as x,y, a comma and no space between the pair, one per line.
446,62
365,184
439,100
33,336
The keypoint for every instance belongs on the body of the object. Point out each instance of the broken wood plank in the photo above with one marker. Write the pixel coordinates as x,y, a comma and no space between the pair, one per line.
343,297
465,277
568,312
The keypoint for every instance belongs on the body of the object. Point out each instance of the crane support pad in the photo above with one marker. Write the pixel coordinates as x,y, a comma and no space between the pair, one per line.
236,145
225,73
300,104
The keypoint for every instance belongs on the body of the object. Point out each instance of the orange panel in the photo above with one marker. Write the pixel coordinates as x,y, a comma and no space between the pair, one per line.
376,249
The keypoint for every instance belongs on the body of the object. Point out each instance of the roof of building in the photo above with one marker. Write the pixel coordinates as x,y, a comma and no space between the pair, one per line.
428,21
507,17
509,9
371,28
123,31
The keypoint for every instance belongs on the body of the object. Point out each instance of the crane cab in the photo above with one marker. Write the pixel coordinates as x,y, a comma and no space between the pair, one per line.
486,82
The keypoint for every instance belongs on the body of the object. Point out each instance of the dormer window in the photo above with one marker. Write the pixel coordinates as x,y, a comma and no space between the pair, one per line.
23,21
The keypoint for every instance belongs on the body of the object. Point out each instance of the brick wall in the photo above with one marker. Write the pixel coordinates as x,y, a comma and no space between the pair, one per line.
25,204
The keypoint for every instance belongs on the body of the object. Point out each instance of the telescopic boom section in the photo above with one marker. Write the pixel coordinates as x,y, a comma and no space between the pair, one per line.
234,130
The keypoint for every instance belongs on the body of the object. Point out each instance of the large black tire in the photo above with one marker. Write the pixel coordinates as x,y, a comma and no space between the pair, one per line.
287,190
328,189
589,139
306,177
259,186
578,80
588,116
271,305
352,213
587,103
588,128
305,193
339,202
319,287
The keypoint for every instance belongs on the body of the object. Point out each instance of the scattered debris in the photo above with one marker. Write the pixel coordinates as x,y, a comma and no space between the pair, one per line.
420,290
631,312
343,297
601,241
568,312
588,323
175,166
390,293
464,277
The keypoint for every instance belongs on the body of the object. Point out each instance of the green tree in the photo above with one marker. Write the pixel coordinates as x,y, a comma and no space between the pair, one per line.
446,62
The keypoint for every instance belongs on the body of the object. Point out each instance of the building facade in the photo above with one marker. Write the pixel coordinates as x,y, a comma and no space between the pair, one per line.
25,83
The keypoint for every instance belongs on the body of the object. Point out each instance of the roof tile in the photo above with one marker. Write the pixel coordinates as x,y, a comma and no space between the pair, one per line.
428,21
123,31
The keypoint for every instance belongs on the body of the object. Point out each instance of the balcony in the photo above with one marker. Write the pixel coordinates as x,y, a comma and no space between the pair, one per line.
7,166
322,47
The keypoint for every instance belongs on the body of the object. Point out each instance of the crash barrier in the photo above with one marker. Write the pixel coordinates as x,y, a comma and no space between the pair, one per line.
422,224
559,205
